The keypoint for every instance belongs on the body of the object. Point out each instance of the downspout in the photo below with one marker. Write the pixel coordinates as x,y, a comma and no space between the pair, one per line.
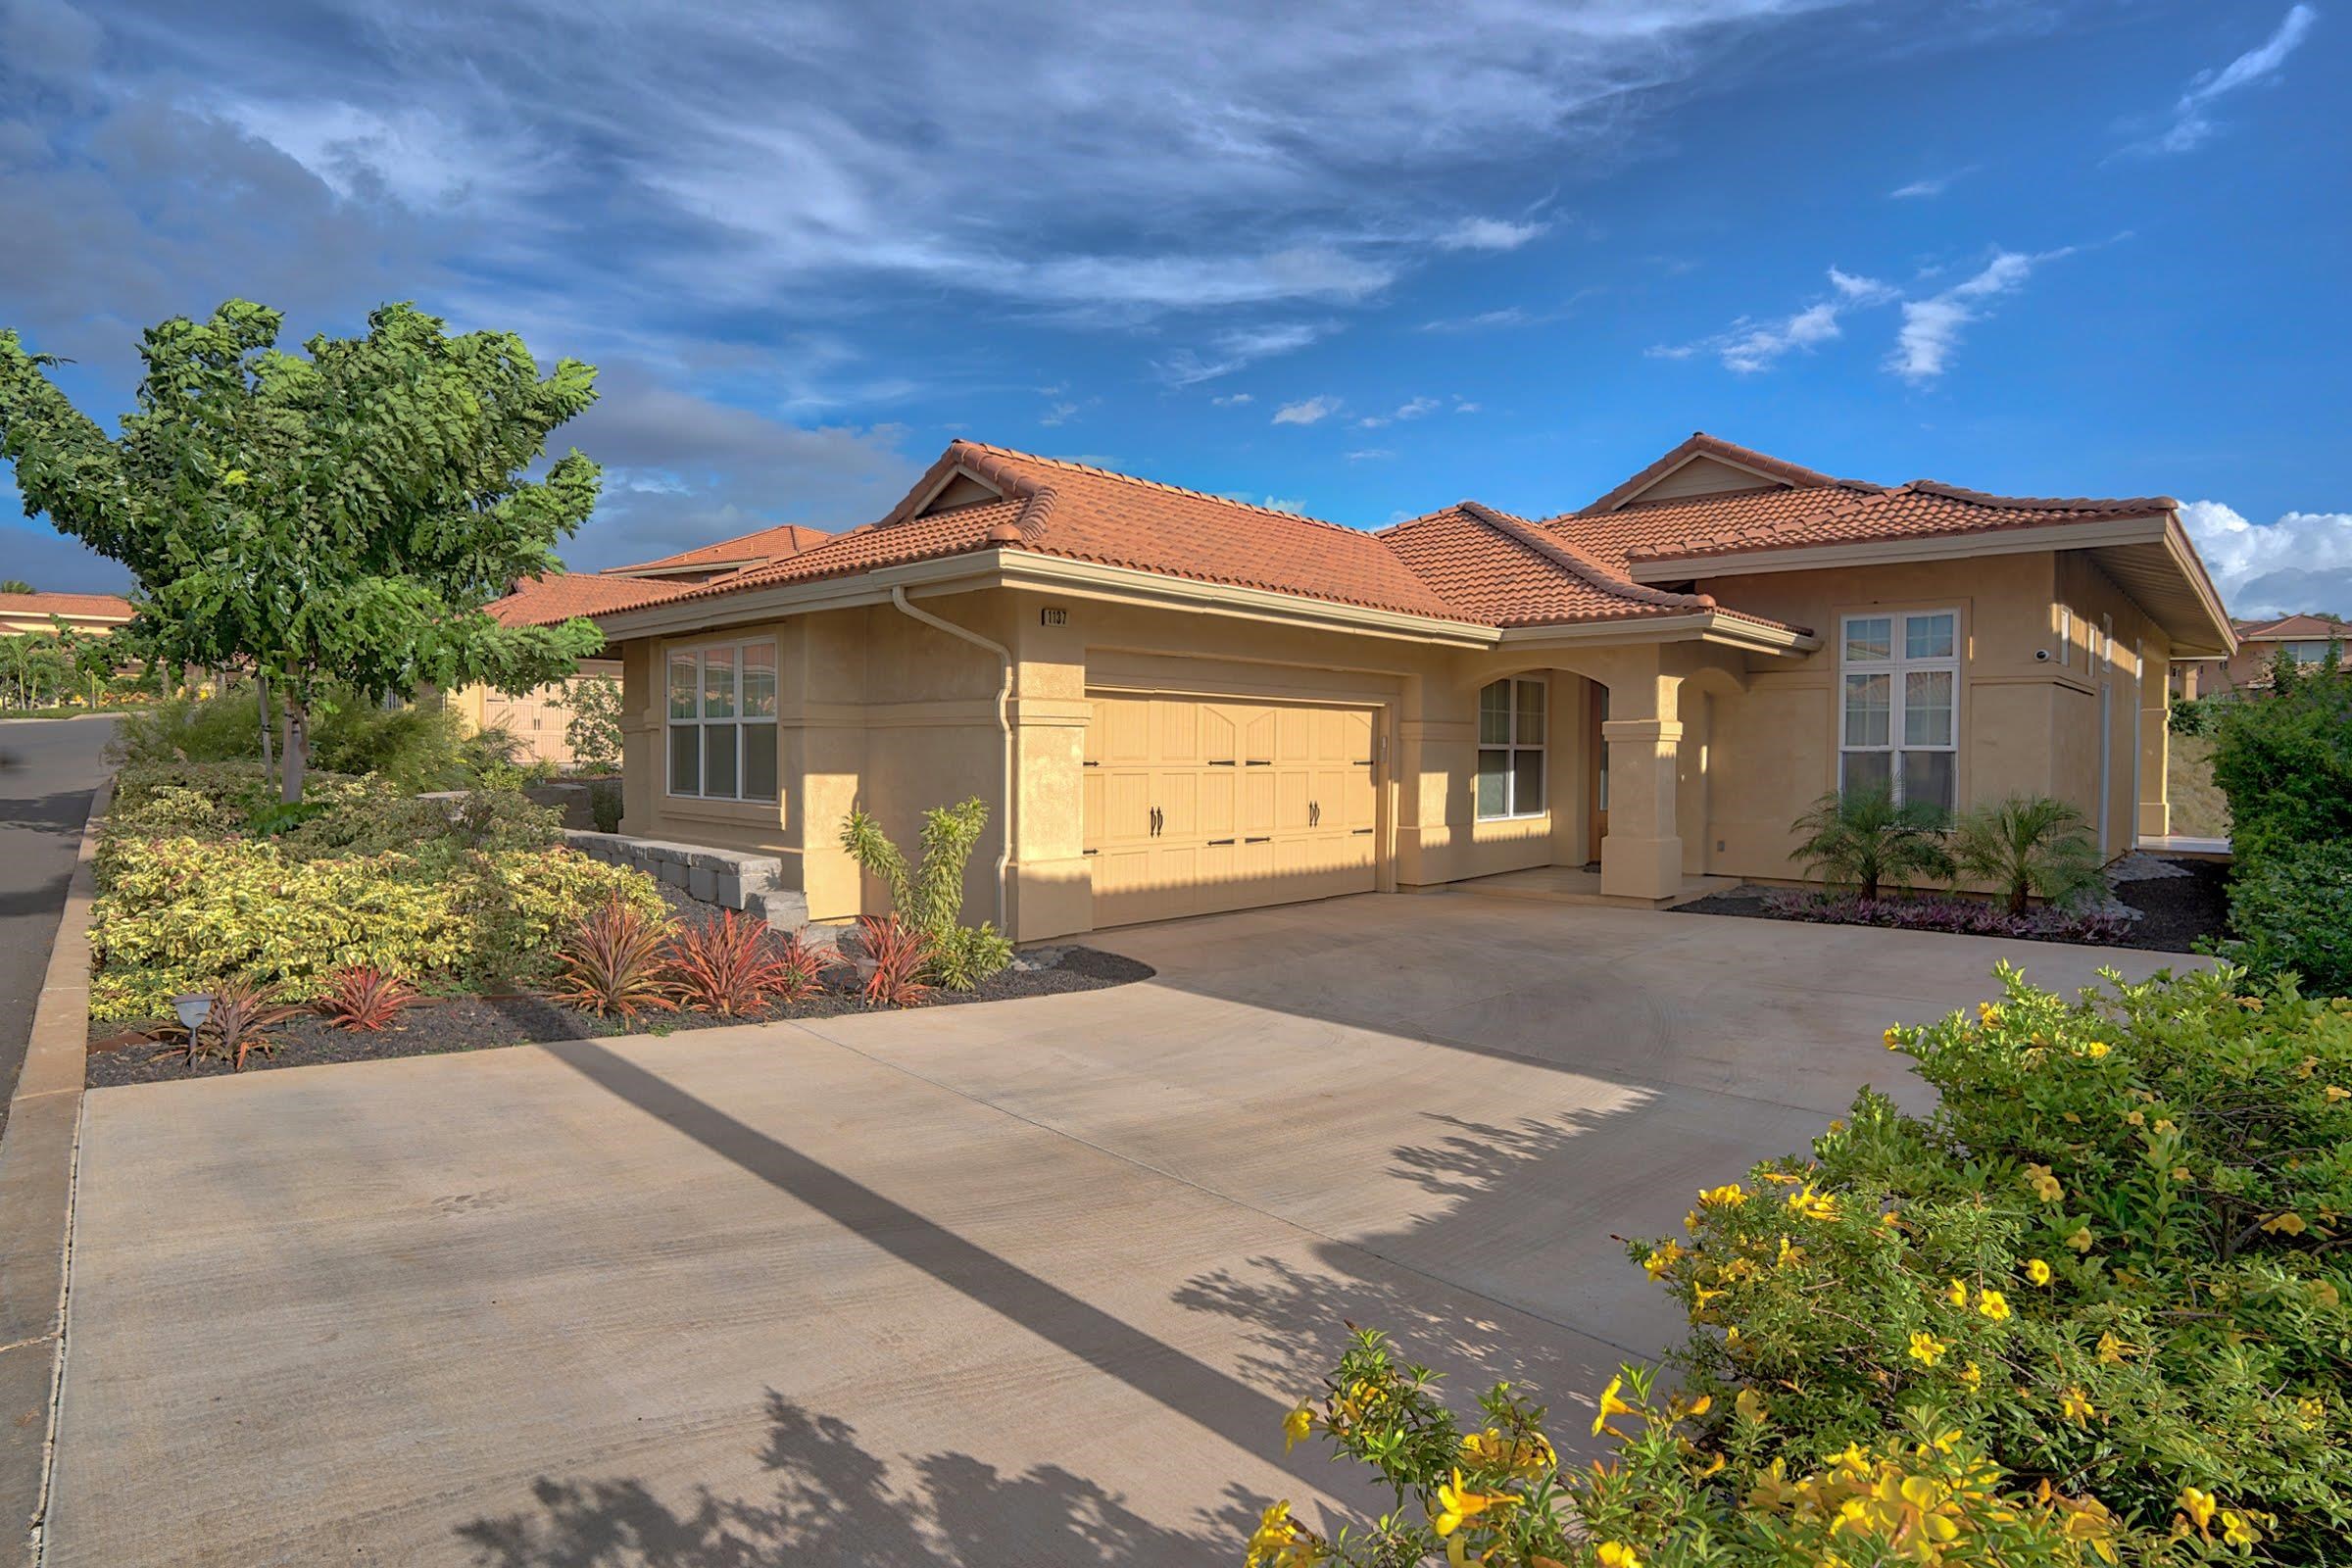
898,596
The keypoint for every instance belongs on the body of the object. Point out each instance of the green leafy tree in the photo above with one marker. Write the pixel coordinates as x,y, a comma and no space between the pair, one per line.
593,731
1862,840
335,520
2030,846
15,586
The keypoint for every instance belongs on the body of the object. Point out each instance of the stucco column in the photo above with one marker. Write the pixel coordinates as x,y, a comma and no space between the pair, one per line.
1641,857
1050,890
2155,753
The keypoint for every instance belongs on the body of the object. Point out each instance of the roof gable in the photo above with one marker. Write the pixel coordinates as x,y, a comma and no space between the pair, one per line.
1708,465
2294,626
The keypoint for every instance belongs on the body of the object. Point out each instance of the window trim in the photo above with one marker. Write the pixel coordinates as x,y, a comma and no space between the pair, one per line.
699,724
1898,664
1511,749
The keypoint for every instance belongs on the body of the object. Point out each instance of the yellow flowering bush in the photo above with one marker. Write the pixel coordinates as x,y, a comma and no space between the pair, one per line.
2112,1258
2094,1309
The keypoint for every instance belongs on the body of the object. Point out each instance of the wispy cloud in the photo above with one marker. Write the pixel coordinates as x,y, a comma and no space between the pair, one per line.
1369,455
1931,327
1233,400
1411,409
1489,234
1749,346
1306,411
1239,348
2301,562
1931,186
2191,124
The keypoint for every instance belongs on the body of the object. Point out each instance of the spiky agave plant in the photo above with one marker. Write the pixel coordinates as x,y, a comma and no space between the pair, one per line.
365,997
728,965
612,963
898,953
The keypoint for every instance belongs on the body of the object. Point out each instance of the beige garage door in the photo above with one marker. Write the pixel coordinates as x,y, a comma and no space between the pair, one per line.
1196,804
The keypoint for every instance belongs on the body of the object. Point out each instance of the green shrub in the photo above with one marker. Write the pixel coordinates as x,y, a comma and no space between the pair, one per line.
593,731
2291,913
2194,715
1862,840
420,747
225,728
180,913
604,804
929,898
2109,1265
2285,760
2027,847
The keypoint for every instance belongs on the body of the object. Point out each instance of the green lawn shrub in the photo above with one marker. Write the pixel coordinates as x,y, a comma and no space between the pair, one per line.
2096,1307
929,896
2284,759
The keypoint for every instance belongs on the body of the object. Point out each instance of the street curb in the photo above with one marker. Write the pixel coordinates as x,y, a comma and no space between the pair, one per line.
36,1198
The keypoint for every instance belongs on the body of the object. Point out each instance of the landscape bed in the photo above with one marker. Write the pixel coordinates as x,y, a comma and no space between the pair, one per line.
438,1026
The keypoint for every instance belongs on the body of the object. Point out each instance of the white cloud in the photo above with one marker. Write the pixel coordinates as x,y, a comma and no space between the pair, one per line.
1489,234
2191,125
1748,346
1465,406
1412,408
1233,400
1241,347
1929,185
1369,455
2303,562
1306,411
1058,413
1270,502
1932,327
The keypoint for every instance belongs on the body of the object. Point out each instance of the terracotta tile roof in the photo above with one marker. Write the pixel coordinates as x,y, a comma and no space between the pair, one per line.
1612,538
2285,628
1850,514
1077,513
758,547
1702,445
102,607
545,600
1502,570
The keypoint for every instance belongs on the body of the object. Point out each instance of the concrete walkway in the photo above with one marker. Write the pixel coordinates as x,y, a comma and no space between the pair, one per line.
1022,1284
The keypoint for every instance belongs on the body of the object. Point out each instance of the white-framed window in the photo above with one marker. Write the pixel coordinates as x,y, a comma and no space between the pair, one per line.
1512,713
2308,652
723,722
1899,704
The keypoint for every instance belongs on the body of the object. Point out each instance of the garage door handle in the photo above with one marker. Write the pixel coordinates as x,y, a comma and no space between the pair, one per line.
1267,840
1218,843
1359,833
1314,813
1256,762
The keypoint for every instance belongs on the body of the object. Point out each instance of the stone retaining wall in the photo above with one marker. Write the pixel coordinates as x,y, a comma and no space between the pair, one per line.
728,878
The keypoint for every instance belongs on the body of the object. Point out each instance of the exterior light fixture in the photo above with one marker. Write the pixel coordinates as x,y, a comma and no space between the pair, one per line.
193,1008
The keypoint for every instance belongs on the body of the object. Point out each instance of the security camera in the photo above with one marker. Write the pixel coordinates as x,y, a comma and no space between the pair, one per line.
2041,656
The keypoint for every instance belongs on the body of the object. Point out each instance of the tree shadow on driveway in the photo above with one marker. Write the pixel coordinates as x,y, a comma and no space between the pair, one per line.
836,1505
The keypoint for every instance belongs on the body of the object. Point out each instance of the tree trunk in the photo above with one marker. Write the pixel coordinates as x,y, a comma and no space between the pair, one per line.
261,684
298,750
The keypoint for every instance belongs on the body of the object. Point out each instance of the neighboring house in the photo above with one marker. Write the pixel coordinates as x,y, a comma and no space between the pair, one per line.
96,613
539,718
1176,703
2302,638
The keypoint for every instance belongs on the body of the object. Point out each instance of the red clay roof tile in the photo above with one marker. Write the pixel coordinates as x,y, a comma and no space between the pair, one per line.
100,607
756,548
545,600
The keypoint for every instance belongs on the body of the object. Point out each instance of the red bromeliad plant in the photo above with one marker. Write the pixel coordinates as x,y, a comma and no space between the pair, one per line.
800,969
729,965
612,963
365,997
898,952
241,1011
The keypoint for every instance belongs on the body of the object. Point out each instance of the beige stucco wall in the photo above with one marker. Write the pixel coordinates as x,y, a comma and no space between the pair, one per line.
1713,753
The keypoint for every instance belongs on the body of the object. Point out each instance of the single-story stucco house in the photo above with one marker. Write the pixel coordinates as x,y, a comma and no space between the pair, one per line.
1177,703
2304,639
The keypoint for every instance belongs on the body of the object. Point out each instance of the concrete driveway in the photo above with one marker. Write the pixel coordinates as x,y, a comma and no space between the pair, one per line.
1022,1284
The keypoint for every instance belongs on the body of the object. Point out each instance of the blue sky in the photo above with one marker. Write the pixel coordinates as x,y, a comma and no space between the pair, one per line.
1360,259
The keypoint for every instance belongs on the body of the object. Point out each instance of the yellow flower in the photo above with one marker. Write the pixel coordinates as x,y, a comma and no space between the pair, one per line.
1970,1375
2136,1118
2311,1413
1617,1555
2325,1293
1659,1261
1296,1426
1994,1305
2198,1505
2095,1049
2235,1531
1956,1294
1729,1195
2080,1241
1925,1349
2181,1173
2111,1348
2043,1183
1610,1406
2165,1124
2037,1271
1989,1012
1894,1038
1459,1502
2336,1092
1749,1404
1278,1542
2074,1405
2290,1223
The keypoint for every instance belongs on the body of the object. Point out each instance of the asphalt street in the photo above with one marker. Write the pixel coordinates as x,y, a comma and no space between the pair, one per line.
48,769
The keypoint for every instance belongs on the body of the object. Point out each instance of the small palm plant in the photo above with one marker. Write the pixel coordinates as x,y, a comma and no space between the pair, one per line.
1862,840
2027,846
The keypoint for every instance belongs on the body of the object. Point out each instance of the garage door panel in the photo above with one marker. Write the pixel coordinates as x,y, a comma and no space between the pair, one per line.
1196,804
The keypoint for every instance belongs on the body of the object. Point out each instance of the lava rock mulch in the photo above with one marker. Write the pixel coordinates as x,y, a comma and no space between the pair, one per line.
436,1027
2176,903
